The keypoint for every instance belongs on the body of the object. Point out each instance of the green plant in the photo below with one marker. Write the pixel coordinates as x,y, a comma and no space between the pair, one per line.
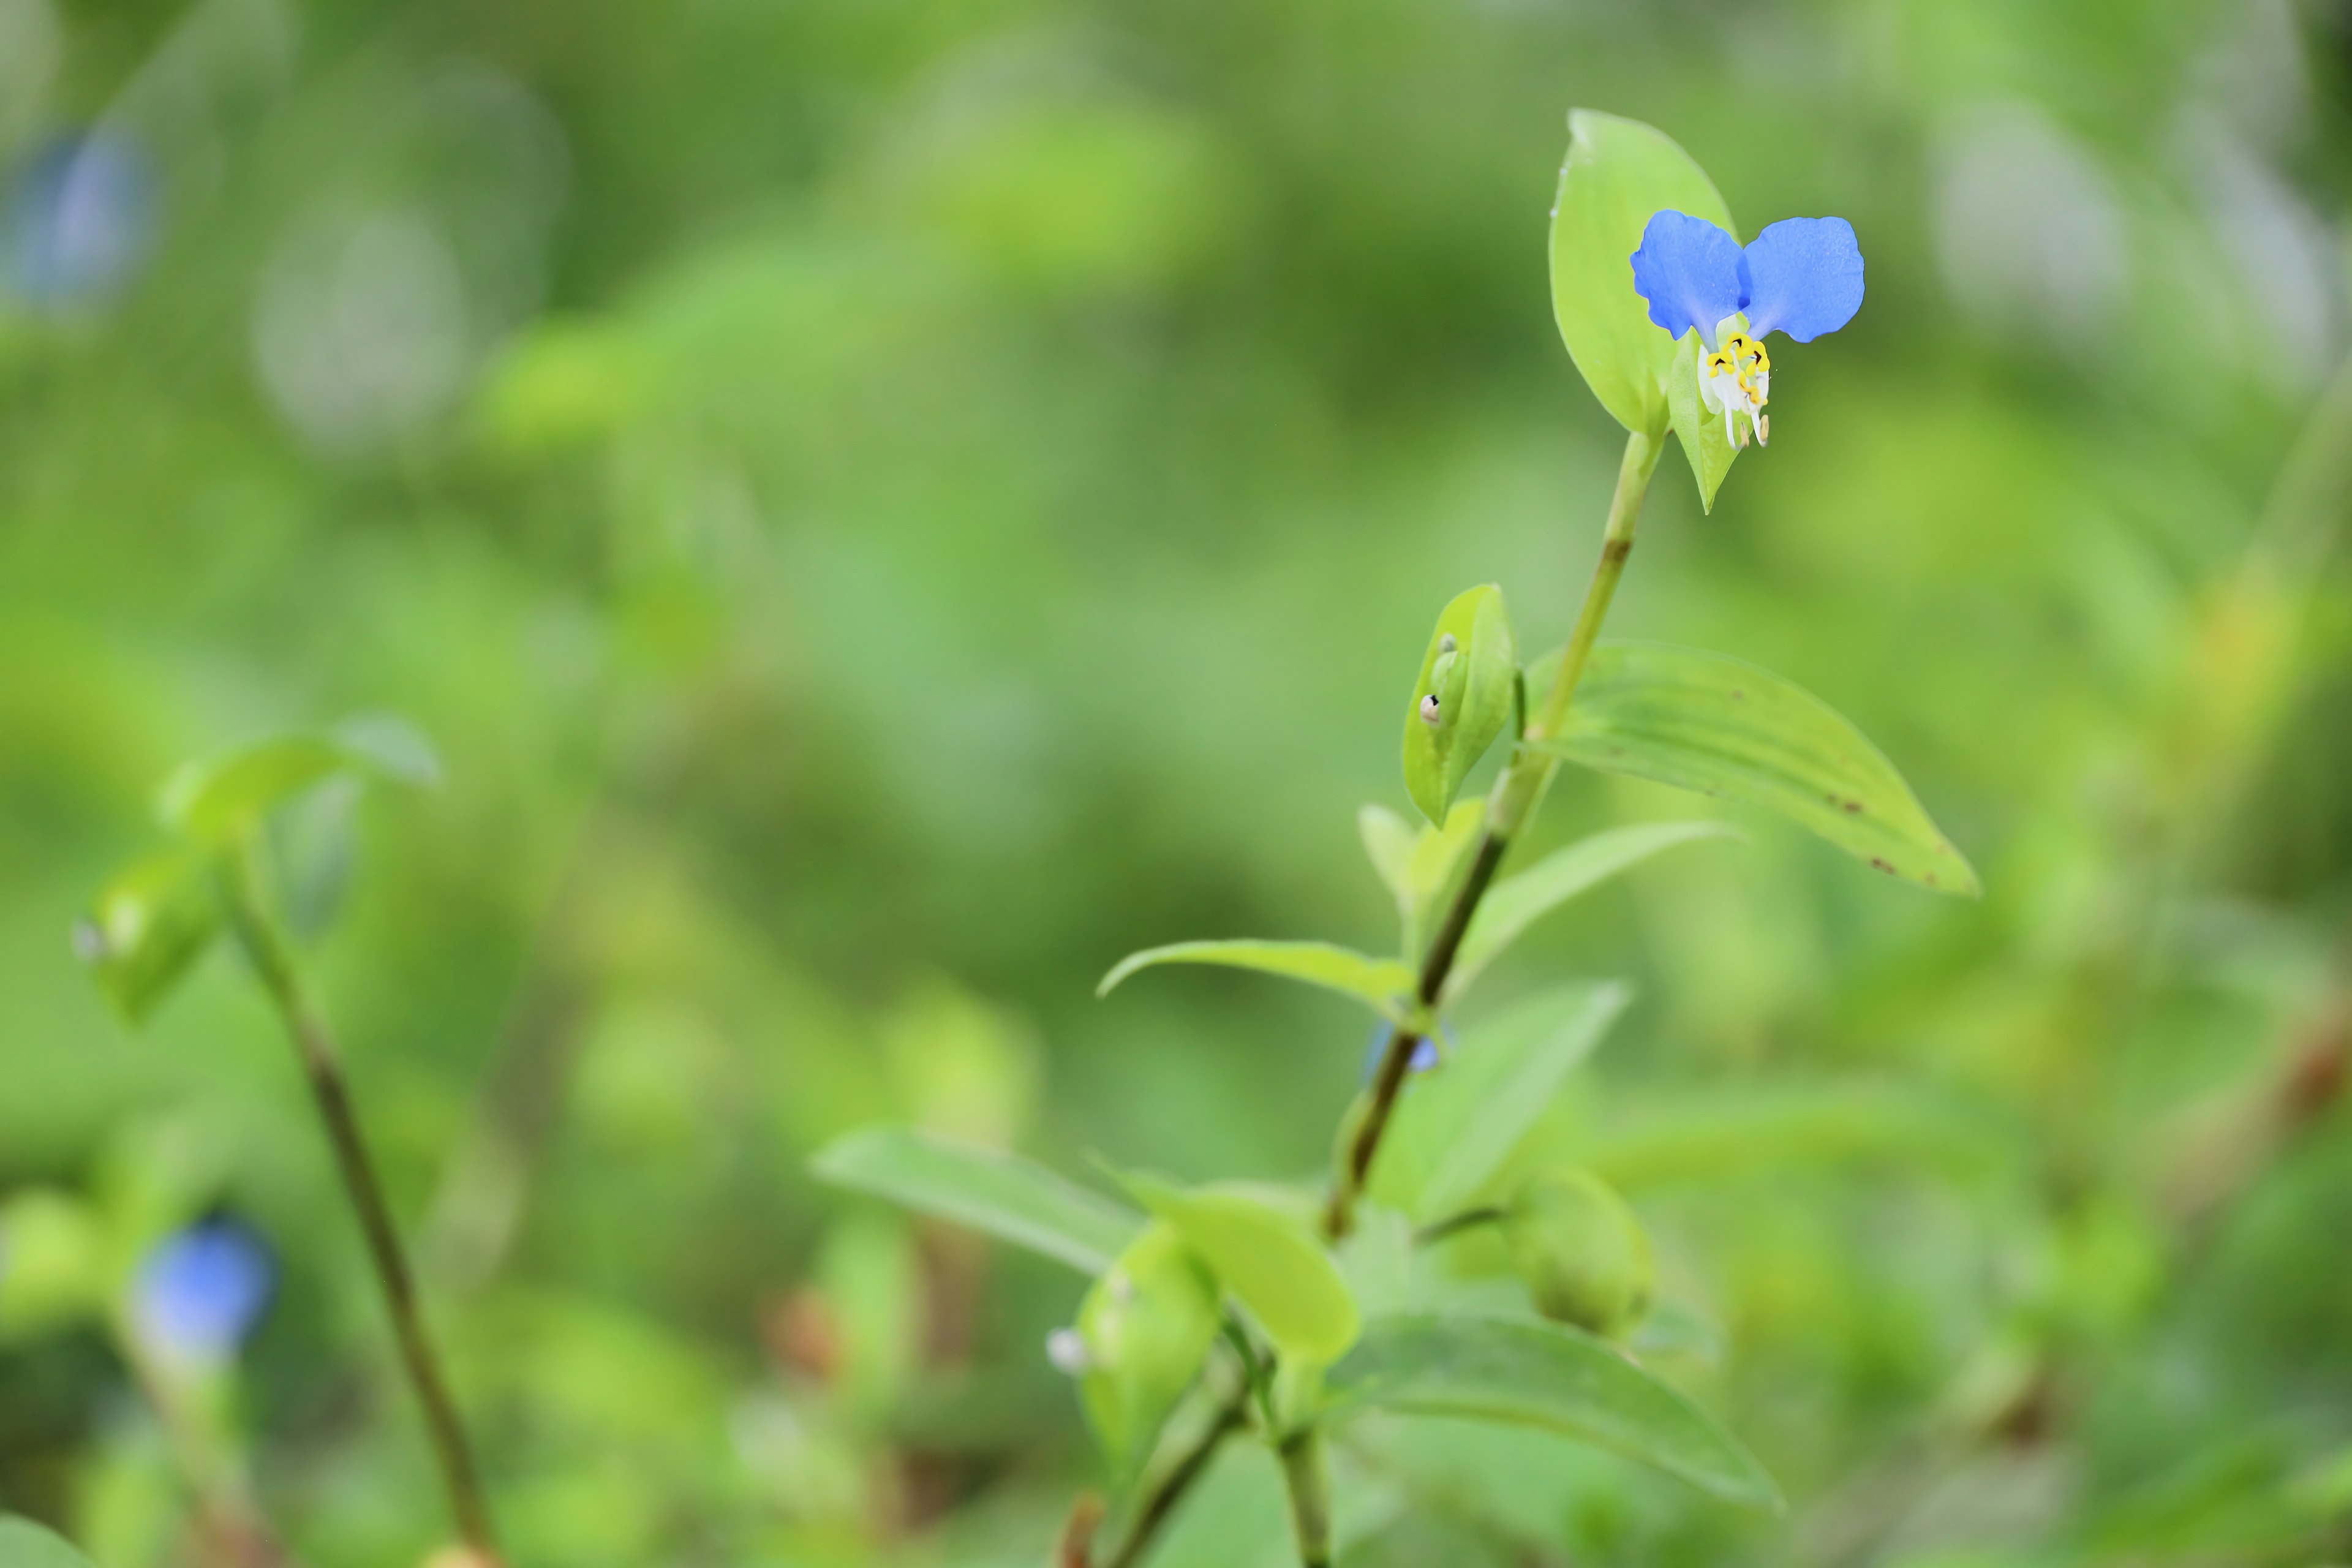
1232,1308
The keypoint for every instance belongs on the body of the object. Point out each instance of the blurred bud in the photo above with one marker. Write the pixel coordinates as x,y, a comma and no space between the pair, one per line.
202,1290
1142,1333
79,214
1580,1251
50,1252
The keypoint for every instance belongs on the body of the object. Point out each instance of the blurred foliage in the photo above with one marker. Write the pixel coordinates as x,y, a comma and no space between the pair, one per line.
883,508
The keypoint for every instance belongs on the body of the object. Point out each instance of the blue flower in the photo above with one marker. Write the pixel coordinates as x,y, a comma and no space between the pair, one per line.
1801,276
1425,1051
79,216
202,1290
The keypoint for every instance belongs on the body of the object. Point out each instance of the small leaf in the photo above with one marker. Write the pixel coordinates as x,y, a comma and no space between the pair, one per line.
1146,1327
1456,1124
1461,700
1517,901
23,1544
1543,1374
1707,444
1388,841
216,800
1725,727
1619,174
1004,1195
1382,982
1269,1259
149,925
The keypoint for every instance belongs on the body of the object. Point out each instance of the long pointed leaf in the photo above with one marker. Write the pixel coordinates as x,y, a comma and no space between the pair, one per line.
1382,982
1543,1374
1725,727
1008,1197
1516,902
23,1544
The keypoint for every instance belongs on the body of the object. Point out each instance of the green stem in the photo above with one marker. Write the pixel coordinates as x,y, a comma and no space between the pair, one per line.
1513,801
1163,1498
1454,1225
273,961
1307,1474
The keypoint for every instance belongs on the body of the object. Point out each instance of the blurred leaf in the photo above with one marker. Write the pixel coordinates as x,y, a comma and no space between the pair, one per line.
1707,1138
214,800
151,923
1471,670
1707,444
1269,1259
1724,727
1382,982
1517,901
1619,174
53,1262
1005,1195
1147,1326
23,1544
1459,1122
1543,1374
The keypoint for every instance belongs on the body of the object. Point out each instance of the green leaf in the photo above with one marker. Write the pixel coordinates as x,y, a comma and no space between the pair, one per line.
1619,174
1710,1137
1543,1374
53,1262
1004,1195
23,1544
1458,1123
1146,1327
1516,902
1382,982
1725,727
216,800
148,927
1268,1259
1707,446
1471,670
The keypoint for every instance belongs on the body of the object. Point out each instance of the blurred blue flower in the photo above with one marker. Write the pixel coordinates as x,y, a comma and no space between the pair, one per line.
202,1290
1801,276
1426,1053
81,212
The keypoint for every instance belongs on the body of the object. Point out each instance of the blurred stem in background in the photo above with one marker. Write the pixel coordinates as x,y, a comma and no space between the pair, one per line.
1514,801
230,1524
273,961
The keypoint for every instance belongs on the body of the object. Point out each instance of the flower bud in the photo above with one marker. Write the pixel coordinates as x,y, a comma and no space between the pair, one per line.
1580,1251
1145,1329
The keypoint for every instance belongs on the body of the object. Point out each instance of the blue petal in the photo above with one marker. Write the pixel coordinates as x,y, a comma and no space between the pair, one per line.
1689,271
201,1289
1804,278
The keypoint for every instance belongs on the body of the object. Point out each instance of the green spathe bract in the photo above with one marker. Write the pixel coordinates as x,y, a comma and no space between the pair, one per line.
1461,700
1581,1252
1267,1257
1147,1325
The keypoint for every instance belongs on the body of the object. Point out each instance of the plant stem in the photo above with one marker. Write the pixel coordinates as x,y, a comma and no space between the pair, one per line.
1514,800
1307,1476
1161,1503
1454,1225
322,1065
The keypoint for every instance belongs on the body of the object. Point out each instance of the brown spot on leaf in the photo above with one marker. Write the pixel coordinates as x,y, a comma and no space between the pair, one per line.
1882,865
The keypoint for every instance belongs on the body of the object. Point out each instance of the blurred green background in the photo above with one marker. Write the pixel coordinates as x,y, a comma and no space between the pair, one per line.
885,506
